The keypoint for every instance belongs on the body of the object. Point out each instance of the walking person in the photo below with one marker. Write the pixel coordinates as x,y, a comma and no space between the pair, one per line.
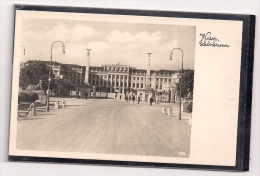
86,95
120,97
126,98
139,99
151,101
133,99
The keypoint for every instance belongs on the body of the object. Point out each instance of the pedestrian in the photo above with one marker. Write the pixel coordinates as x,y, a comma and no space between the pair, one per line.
133,98
115,96
139,99
151,101
126,98
120,97
86,95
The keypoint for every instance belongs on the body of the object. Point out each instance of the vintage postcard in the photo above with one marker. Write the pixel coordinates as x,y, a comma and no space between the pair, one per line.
108,85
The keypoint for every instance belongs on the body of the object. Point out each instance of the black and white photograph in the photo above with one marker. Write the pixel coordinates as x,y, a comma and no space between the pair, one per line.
105,87
131,88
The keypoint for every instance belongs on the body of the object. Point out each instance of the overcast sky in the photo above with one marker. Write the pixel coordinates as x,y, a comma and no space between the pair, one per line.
111,43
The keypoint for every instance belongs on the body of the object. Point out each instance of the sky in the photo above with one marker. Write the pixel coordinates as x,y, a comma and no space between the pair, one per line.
111,43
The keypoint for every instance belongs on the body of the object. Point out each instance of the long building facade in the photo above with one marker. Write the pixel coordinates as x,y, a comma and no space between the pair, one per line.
111,78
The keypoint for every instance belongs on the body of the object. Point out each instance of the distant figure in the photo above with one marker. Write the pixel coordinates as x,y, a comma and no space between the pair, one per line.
120,97
86,95
139,99
133,98
115,96
151,101
126,98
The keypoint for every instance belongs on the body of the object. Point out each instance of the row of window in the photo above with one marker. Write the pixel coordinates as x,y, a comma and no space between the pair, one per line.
134,78
114,77
109,76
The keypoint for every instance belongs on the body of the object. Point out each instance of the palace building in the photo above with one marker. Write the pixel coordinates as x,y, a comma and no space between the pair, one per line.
110,78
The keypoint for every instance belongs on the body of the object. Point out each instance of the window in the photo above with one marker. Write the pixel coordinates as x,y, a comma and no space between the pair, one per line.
97,82
156,79
133,78
170,80
142,85
121,84
117,83
93,82
156,86
137,78
161,79
133,84
137,85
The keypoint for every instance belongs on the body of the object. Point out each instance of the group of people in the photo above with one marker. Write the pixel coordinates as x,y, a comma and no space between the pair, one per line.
119,96
132,98
128,98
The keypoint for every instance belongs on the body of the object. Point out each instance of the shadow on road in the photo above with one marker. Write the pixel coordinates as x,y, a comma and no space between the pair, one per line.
26,118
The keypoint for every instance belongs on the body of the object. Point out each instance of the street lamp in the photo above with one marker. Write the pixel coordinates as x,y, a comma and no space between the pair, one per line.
23,50
179,117
48,91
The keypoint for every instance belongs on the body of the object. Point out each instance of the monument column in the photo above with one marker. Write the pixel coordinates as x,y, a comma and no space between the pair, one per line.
148,70
87,67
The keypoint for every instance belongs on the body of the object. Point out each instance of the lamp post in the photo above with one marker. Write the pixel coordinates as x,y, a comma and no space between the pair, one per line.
179,116
48,91
23,50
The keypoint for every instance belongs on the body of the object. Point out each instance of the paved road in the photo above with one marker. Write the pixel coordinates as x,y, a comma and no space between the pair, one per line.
105,126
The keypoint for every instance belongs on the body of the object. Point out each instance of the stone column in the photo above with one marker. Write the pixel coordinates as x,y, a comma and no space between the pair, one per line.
148,71
123,80
72,77
80,77
87,67
76,78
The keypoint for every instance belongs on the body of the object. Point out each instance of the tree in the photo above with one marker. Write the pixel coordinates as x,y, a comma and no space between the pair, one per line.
187,83
33,72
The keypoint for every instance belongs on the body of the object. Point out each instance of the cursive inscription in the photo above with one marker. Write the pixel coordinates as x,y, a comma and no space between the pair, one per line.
208,40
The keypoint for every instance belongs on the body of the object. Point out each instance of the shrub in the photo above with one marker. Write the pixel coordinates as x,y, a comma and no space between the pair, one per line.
33,96
189,108
24,97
